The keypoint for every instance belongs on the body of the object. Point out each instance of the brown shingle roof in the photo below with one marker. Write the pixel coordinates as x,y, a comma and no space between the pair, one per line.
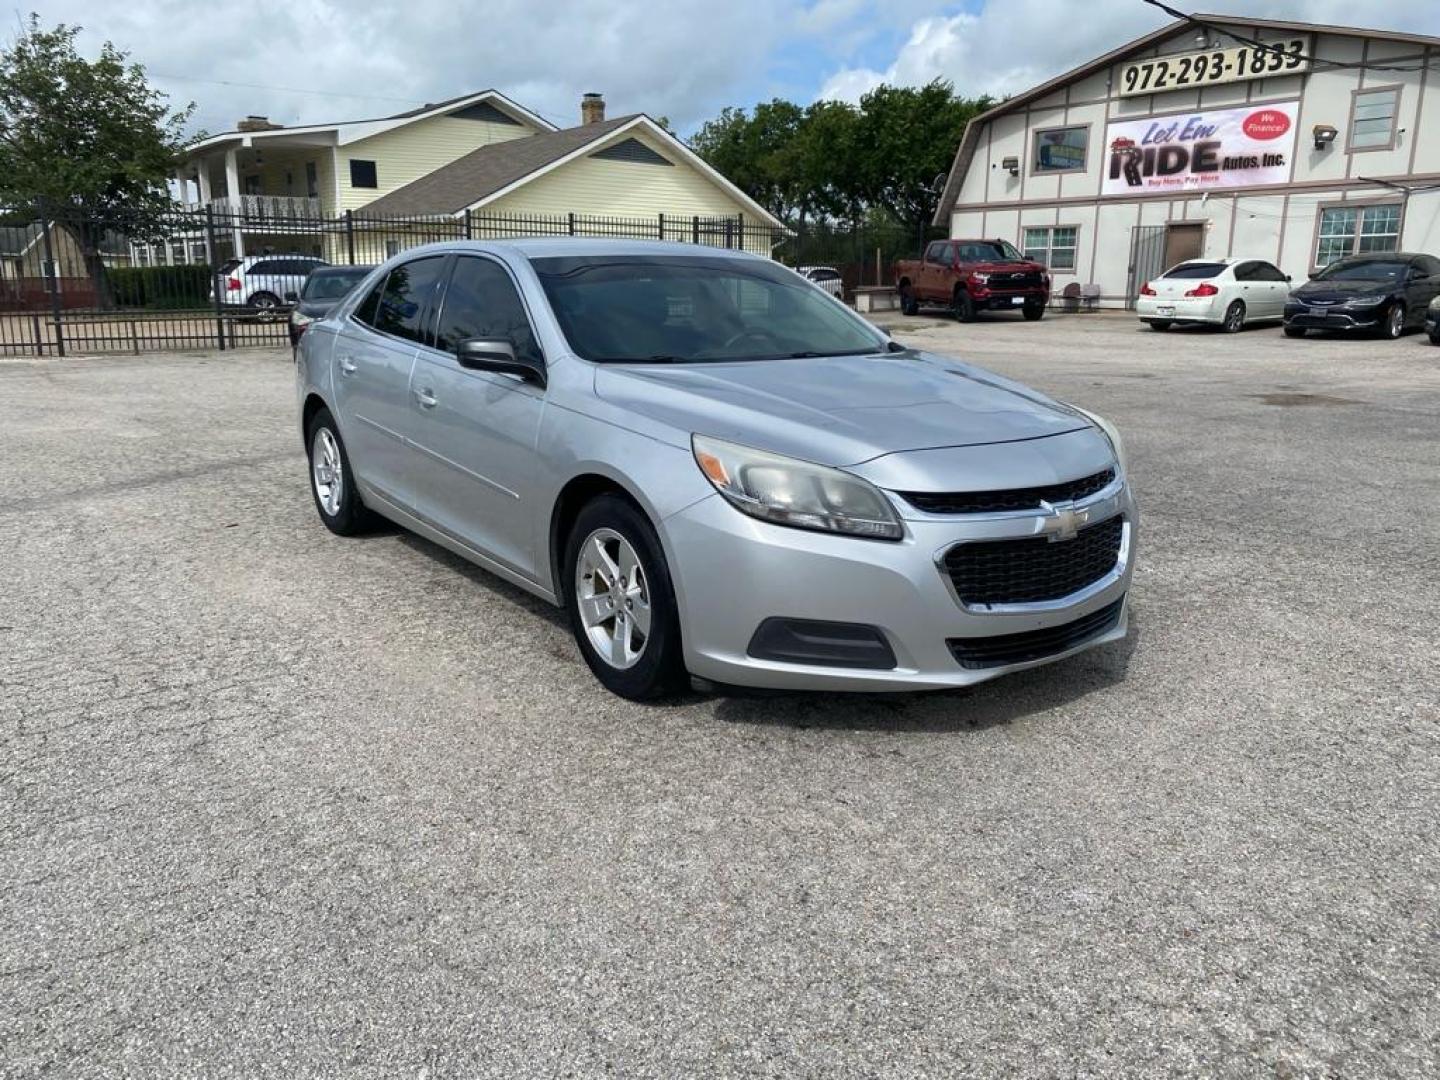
467,180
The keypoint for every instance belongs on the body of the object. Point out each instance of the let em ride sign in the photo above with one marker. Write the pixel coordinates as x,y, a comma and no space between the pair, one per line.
1214,148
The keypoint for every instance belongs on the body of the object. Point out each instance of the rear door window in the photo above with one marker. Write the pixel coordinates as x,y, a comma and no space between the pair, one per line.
407,294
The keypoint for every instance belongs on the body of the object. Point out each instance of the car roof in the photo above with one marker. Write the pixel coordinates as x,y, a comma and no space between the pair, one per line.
548,247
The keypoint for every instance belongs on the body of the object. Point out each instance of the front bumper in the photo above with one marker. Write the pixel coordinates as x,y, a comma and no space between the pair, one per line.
1179,309
732,572
1008,299
1334,317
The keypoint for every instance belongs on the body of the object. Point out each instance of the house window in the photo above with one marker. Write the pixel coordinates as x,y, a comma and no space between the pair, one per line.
1372,119
1053,245
1355,230
362,174
1061,149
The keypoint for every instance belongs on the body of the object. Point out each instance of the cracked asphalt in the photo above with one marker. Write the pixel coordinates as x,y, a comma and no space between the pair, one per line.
278,804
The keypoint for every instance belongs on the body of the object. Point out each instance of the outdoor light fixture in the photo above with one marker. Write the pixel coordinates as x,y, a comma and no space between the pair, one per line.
1011,165
1324,136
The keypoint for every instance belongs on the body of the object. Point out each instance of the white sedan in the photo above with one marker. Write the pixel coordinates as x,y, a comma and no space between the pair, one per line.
1228,293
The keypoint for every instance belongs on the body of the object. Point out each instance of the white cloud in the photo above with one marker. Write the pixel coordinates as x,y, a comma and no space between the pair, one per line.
1010,45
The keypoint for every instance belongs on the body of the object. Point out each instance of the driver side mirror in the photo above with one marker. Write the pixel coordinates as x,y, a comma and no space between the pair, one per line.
498,355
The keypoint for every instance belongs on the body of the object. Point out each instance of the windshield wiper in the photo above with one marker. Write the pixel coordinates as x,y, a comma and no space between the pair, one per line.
811,355
658,358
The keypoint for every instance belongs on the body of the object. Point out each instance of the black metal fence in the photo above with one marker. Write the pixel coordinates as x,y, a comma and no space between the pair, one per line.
863,252
212,278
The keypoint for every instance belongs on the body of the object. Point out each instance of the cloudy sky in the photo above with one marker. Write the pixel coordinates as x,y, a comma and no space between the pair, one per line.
321,60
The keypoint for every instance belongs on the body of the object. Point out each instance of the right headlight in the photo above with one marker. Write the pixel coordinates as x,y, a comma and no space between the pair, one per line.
798,493
1110,432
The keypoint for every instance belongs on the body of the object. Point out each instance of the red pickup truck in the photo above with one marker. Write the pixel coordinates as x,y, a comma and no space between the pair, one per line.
973,275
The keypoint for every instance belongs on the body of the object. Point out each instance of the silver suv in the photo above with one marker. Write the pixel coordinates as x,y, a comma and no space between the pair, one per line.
716,469
263,283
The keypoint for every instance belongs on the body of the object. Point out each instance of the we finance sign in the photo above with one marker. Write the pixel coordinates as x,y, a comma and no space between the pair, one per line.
1216,148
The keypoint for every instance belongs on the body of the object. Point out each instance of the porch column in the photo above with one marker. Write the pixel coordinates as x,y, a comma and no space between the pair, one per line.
232,193
184,186
204,180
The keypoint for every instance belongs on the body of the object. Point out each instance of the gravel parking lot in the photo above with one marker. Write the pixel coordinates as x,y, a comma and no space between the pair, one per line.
274,803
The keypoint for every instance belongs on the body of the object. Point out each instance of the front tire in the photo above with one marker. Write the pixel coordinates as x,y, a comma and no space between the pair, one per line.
964,307
1394,324
1033,312
1435,337
1234,318
621,601
332,481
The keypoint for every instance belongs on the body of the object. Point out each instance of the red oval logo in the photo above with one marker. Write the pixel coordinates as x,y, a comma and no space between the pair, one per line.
1266,124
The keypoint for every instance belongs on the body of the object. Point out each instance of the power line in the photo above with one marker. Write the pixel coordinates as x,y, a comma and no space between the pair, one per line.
1270,47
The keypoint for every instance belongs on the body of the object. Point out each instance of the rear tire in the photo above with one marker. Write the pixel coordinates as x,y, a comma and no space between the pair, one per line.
963,306
637,622
908,304
1435,337
266,305
1234,318
1159,325
1394,323
332,481
1294,331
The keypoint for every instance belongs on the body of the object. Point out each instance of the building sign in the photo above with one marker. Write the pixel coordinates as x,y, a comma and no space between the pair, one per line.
1213,148
1212,67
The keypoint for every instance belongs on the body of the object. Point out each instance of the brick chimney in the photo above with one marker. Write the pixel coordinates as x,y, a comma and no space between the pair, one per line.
592,109
256,123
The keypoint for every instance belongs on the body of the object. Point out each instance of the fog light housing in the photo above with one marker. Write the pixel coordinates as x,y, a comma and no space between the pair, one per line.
822,644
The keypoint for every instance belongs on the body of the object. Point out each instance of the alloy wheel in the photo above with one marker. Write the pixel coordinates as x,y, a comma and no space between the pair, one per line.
1395,321
326,471
613,597
1234,318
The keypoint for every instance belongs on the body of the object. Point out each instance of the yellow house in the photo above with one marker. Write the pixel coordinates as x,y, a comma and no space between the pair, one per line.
286,189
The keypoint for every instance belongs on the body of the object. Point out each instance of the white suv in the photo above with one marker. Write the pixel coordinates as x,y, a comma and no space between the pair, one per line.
263,283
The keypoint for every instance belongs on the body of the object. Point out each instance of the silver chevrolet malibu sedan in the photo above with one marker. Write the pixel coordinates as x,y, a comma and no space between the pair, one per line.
720,472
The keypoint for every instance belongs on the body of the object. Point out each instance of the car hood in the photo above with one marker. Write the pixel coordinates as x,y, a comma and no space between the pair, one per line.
839,410
1003,267
1340,291
317,308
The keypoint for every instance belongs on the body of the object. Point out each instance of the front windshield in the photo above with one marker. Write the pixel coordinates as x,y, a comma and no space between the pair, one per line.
989,251
695,309
332,284
1378,270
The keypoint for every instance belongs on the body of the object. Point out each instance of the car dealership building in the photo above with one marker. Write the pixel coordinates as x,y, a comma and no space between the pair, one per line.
1289,142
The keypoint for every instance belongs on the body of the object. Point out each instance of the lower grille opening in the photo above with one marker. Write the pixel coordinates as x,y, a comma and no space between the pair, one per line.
1002,649
828,644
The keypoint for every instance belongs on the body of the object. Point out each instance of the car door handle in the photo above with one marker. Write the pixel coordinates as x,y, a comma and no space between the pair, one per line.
347,366
426,397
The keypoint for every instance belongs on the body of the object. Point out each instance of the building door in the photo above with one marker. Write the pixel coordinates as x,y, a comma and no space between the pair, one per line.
1147,259
1183,242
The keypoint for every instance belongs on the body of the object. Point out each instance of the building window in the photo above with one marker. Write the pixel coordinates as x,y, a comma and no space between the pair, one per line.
312,180
362,174
1061,149
1053,245
1372,119
392,248
1355,230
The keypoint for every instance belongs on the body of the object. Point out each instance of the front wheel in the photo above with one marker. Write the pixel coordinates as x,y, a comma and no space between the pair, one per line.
1435,337
1234,318
1394,324
1033,312
621,602
964,306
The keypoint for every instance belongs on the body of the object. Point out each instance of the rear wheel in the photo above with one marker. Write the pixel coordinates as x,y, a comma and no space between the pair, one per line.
332,482
908,304
1160,325
621,602
1234,318
1033,311
266,305
1435,337
963,306
1393,324
1294,331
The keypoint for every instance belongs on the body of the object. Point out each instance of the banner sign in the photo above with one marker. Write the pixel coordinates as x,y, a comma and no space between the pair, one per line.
1211,148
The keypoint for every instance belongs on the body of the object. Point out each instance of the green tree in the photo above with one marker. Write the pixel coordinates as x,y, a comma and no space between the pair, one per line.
88,142
909,136
756,152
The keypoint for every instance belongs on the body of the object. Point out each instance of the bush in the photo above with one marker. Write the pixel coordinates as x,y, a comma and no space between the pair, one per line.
159,287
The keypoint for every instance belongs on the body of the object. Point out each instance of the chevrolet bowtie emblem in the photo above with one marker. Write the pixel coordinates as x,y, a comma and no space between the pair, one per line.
1062,521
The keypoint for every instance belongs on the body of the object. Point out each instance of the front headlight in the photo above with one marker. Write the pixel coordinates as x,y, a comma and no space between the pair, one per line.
798,493
1116,443
1365,301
